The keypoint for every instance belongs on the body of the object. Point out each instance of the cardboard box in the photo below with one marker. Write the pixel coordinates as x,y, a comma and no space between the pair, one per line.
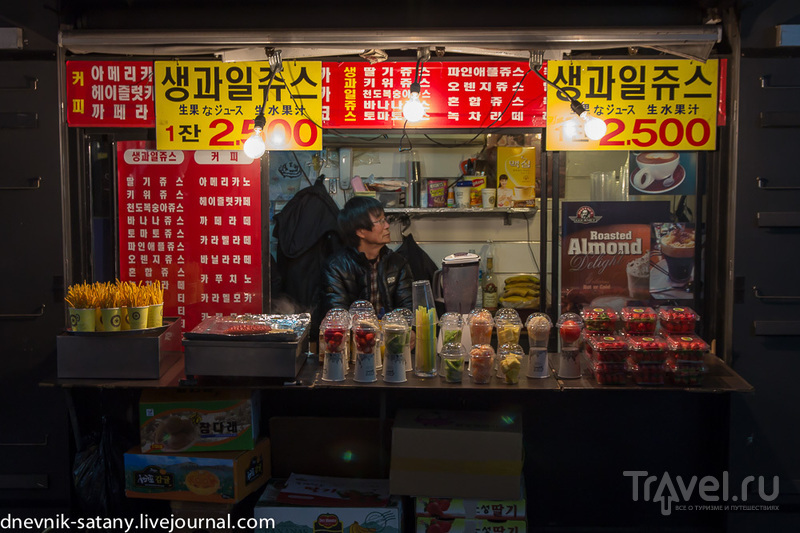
136,354
219,477
470,508
188,421
516,176
468,525
456,454
326,518
329,446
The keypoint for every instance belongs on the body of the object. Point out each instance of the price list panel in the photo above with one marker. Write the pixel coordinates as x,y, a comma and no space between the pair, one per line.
192,220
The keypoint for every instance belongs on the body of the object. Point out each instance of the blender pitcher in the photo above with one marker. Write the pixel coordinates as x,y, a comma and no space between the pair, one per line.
459,282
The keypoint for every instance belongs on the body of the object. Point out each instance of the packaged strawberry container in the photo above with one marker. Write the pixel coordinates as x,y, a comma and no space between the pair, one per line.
685,373
639,320
599,319
608,373
647,348
607,348
687,347
675,319
647,372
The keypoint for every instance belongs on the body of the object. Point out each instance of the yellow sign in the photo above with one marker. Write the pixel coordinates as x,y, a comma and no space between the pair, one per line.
646,104
208,105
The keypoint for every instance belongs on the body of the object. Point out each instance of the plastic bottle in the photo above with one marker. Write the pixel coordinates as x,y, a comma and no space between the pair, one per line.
489,285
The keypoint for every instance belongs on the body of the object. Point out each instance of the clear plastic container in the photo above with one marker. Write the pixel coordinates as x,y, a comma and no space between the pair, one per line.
397,336
647,348
675,319
606,373
452,325
509,362
687,347
481,361
570,326
639,320
480,324
607,348
538,326
452,359
685,373
335,329
599,319
509,325
647,372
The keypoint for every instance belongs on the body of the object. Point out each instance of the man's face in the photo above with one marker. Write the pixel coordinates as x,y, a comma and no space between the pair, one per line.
379,233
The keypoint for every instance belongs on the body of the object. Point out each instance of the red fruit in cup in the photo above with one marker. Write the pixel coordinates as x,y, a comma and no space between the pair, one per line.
570,331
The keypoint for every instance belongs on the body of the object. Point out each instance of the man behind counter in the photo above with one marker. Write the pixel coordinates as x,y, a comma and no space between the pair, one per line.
366,269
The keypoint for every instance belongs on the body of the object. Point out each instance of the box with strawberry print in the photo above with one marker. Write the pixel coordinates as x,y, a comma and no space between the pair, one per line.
608,373
687,347
599,319
639,320
685,373
470,508
647,372
647,348
607,348
468,525
674,319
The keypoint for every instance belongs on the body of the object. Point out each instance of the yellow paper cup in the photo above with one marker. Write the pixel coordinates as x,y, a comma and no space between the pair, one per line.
155,315
124,325
137,317
110,319
81,319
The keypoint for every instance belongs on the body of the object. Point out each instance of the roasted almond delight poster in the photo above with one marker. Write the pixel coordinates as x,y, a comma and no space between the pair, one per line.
606,252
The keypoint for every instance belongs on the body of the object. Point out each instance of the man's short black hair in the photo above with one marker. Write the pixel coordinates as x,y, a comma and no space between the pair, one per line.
356,215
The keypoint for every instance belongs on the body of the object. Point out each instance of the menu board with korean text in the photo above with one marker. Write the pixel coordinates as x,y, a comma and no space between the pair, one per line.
646,104
192,220
208,105
110,94
500,94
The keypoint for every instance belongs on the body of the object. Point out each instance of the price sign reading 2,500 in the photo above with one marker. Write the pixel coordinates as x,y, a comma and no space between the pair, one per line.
280,133
647,132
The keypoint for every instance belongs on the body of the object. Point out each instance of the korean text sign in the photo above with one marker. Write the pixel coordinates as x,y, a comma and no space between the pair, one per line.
454,95
192,220
208,105
110,94
646,104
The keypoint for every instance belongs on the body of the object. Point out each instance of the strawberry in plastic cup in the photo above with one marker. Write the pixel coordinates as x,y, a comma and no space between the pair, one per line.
639,320
365,339
599,319
677,319
333,338
687,347
647,348
569,327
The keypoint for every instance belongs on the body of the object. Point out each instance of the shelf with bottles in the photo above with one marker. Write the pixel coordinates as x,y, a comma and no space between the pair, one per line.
423,211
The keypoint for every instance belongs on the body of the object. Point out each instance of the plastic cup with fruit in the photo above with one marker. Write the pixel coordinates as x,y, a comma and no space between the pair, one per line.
480,324
335,328
508,324
451,326
538,326
481,361
599,319
452,359
510,357
570,326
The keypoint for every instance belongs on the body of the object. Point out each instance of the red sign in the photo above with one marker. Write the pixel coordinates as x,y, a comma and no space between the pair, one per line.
500,94
191,219
110,94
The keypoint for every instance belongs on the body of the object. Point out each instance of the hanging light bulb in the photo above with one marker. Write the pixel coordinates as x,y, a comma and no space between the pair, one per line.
254,147
594,127
412,109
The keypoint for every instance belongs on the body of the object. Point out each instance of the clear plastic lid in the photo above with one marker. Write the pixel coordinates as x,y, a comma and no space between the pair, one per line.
604,317
451,321
638,314
677,315
647,343
686,343
507,315
360,307
570,326
396,333
453,351
407,314
607,343
538,326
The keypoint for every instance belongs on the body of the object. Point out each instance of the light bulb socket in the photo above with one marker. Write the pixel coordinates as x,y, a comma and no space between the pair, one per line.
414,88
260,122
577,107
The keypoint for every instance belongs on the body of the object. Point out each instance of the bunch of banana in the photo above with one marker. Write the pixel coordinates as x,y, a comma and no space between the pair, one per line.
355,527
521,292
